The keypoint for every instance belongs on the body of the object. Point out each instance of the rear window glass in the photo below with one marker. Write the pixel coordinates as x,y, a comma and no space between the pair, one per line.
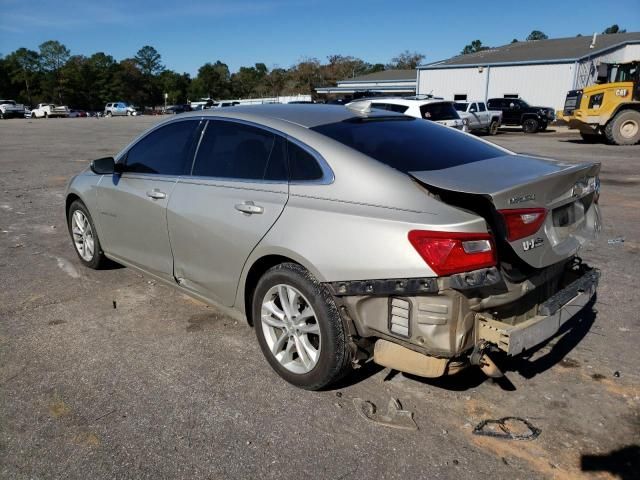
461,107
391,107
439,111
302,165
409,144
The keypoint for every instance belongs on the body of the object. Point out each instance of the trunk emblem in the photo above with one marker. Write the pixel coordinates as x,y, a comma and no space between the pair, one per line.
532,243
524,198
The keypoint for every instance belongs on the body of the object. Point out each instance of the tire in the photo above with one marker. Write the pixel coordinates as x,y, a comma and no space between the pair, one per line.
46,115
97,258
590,137
326,336
109,114
624,128
493,127
530,125
543,127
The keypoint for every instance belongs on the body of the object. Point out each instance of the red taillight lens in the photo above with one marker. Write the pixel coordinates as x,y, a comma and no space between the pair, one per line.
450,252
522,222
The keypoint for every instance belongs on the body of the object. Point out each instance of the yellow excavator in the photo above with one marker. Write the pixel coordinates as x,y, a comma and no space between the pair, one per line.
608,111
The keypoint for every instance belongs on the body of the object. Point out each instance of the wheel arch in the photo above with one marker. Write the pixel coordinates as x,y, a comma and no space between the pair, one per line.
635,106
257,267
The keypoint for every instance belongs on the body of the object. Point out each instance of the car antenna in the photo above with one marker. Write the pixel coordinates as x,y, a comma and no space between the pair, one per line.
362,107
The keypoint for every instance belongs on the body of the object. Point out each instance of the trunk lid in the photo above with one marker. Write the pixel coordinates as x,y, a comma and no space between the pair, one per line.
567,191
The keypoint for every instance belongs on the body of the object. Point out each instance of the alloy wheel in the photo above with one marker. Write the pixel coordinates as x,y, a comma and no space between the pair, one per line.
291,328
82,235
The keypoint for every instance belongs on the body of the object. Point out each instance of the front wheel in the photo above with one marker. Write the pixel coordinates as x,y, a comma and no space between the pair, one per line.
624,128
530,125
84,236
299,328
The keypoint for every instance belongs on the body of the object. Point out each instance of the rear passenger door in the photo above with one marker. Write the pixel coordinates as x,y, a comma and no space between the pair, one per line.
216,216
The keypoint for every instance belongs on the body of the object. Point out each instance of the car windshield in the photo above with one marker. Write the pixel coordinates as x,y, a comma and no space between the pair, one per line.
461,107
523,104
409,144
439,111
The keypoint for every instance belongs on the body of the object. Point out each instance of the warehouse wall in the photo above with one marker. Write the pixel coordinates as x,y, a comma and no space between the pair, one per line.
544,85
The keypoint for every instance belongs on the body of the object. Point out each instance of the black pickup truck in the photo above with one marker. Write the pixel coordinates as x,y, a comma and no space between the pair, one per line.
516,111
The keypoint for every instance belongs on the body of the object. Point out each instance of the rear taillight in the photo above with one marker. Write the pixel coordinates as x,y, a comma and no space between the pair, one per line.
451,252
522,222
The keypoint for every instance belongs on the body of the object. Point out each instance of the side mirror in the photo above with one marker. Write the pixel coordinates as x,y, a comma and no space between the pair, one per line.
103,166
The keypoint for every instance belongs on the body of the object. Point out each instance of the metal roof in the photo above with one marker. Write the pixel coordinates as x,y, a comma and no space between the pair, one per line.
384,76
555,50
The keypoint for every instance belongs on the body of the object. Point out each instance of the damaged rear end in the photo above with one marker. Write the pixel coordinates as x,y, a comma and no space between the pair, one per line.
539,214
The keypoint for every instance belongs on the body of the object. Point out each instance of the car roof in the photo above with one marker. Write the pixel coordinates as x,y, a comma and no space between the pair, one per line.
304,115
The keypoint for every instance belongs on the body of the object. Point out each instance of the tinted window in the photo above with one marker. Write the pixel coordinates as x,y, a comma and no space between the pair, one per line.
482,107
409,144
391,107
461,107
498,103
235,150
439,111
302,165
163,151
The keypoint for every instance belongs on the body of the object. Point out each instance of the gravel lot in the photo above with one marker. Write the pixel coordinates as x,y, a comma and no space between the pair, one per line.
162,386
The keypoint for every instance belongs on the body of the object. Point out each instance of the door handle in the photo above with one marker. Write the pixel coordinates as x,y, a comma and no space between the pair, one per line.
249,208
156,194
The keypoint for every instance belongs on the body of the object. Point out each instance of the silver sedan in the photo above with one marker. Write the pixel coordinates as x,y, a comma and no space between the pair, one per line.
347,234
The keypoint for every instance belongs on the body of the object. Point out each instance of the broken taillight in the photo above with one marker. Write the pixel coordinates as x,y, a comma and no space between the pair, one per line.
522,222
452,252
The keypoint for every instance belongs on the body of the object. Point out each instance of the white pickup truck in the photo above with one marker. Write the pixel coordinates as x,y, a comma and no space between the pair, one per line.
46,110
9,108
478,116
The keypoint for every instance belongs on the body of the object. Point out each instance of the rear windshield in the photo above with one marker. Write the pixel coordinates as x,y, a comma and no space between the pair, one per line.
461,107
409,144
439,111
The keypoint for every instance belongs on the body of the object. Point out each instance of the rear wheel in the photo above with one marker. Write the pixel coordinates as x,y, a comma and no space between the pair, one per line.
624,129
84,236
530,125
299,328
109,114
493,127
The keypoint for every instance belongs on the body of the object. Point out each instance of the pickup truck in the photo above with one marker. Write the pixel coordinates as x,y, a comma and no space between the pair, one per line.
9,108
478,116
516,111
46,110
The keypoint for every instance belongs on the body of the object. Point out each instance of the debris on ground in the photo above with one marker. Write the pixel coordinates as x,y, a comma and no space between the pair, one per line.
115,305
396,417
508,428
615,241
616,374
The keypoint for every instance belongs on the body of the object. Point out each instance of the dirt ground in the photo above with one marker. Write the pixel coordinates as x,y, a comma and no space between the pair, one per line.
106,374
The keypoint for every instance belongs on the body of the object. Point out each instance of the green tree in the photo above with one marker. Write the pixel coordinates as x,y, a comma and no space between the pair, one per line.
24,65
614,29
405,61
149,61
213,81
473,47
537,35
175,85
53,56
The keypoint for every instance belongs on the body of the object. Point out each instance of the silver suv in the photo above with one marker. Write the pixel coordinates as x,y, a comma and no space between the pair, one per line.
118,109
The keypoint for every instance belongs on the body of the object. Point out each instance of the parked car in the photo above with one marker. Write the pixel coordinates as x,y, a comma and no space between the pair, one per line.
120,109
27,112
344,235
516,111
479,118
49,110
435,109
175,109
73,113
9,108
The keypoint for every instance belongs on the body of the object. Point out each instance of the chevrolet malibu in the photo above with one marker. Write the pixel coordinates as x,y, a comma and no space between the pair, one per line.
345,235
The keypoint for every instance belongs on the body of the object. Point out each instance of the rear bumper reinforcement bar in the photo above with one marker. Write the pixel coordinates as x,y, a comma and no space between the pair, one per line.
552,314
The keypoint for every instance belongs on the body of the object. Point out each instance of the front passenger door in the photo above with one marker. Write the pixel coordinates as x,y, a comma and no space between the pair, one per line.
132,205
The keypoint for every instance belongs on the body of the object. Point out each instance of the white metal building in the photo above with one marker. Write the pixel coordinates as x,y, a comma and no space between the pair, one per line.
392,82
540,72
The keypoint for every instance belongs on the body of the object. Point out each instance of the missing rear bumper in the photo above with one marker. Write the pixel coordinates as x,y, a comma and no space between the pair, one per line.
552,314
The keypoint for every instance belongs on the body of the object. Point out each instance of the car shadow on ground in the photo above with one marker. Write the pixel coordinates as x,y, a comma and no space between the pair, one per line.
624,462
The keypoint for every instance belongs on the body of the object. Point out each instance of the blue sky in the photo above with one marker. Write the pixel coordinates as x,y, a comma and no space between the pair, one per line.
189,33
